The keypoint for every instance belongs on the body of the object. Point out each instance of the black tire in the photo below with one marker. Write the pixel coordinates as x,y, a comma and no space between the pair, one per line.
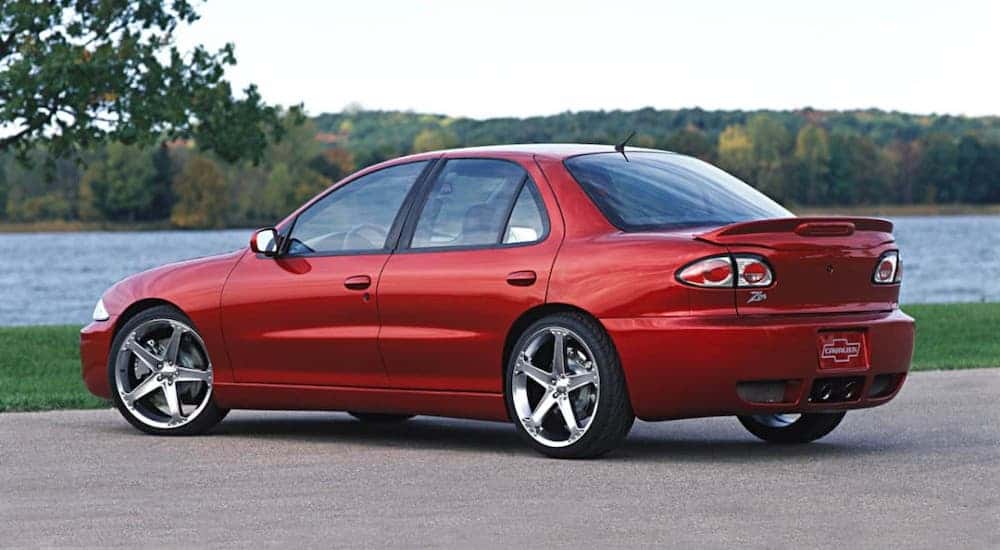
807,428
209,416
613,417
381,418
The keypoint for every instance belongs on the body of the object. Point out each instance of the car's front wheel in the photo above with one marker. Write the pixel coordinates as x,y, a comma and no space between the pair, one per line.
565,390
161,375
791,428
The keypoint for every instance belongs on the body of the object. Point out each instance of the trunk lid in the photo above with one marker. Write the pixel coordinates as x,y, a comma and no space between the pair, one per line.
819,264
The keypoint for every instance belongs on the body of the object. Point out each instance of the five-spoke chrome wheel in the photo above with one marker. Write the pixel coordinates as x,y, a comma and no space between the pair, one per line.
555,387
162,373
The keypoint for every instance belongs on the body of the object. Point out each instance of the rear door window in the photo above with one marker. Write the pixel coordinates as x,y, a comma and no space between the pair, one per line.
479,202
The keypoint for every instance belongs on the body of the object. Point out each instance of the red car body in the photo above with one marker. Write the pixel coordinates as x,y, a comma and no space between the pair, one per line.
427,332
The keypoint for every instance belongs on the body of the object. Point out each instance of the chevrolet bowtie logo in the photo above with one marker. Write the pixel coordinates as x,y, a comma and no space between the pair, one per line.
841,350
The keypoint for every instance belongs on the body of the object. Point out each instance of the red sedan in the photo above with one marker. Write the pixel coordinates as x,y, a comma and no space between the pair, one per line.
566,288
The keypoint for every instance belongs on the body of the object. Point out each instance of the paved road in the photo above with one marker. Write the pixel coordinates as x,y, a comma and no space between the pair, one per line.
921,472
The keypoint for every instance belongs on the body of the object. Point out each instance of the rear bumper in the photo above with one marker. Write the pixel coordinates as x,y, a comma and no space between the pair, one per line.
95,344
679,367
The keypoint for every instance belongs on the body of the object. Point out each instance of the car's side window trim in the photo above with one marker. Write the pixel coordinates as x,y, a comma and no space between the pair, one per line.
410,225
392,239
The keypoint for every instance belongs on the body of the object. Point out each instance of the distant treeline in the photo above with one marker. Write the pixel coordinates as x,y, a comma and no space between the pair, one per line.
801,158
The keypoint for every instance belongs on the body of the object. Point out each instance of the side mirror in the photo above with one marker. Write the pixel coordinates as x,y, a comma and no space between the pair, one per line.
265,241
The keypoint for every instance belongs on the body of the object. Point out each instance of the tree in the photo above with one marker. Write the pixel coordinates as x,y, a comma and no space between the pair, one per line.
434,139
903,162
201,195
736,152
117,184
812,156
74,73
937,174
4,190
857,171
771,140
691,141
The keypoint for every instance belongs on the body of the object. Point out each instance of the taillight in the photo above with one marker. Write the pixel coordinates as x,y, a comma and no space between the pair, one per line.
716,271
752,272
887,270
720,272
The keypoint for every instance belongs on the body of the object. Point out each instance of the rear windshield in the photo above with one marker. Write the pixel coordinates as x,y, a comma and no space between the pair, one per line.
666,191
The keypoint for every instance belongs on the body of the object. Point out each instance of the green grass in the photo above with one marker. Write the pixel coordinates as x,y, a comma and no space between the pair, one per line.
40,370
40,366
956,336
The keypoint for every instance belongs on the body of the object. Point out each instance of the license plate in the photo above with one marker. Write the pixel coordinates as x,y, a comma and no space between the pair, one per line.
842,350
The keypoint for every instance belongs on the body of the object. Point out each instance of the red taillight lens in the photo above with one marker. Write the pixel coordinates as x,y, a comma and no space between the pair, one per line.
887,269
716,271
720,271
753,272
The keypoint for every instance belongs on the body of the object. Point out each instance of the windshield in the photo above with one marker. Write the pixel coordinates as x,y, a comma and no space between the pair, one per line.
667,191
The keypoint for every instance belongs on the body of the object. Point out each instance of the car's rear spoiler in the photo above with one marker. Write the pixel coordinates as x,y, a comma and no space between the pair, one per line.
857,231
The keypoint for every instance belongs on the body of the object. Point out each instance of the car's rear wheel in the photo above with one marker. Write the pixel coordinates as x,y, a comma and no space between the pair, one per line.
791,428
565,390
161,375
380,418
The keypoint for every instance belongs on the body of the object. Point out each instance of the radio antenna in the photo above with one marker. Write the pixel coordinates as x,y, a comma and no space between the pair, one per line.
621,146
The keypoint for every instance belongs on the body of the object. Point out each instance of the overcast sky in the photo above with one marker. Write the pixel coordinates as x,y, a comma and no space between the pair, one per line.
517,58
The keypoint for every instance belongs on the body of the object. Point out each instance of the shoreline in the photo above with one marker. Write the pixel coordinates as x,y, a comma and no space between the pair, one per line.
902,210
110,227
892,211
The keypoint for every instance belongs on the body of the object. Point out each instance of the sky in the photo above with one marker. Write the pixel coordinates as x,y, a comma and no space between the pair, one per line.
523,58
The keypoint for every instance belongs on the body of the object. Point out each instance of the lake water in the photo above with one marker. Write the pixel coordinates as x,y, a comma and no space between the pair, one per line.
54,278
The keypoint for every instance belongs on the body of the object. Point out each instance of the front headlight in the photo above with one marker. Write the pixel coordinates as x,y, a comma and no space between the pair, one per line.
100,312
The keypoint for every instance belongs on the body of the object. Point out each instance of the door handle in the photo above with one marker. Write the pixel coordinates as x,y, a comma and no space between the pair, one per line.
358,282
522,278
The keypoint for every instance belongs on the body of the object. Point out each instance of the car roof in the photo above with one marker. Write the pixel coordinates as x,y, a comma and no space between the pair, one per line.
557,151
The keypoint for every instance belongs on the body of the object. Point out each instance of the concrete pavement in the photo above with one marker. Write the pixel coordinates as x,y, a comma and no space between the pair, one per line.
921,472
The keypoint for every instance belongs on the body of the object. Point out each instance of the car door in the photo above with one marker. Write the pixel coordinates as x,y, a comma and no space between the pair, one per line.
310,315
475,255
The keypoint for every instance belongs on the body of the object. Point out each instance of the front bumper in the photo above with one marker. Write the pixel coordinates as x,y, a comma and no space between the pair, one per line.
682,367
95,345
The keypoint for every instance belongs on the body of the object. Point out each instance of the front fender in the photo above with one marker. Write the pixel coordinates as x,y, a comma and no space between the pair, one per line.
194,287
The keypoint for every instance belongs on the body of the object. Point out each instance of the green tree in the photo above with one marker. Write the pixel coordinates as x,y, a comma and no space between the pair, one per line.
857,171
771,140
978,170
736,152
73,73
201,195
434,139
812,156
278,198
937,174
161,181
4,190
691,141
903,161
117,185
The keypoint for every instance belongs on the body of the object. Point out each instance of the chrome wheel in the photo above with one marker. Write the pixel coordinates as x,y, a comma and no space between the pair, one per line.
555,387
163,374
781,420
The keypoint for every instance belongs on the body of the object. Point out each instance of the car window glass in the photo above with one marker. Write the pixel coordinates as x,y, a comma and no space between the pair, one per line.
468,204
356,217
527,223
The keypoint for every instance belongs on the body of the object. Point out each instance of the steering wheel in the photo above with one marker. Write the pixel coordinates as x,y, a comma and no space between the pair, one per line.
373,234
